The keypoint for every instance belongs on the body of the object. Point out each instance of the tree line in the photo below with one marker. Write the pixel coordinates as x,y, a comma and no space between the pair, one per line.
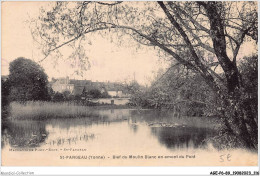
27,81
187,92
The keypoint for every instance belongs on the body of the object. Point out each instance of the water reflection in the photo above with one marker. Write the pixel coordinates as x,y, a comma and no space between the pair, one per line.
182,137
144,126
24,133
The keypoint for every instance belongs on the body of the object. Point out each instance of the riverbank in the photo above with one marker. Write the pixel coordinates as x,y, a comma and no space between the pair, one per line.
38,110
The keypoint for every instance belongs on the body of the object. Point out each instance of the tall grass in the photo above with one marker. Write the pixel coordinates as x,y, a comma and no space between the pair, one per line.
45,110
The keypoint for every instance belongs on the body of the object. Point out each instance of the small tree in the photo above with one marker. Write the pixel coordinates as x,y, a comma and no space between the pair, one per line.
28,81
66,95
51,93
105,95
94,93
58,97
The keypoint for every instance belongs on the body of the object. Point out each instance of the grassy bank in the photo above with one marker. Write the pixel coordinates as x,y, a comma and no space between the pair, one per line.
47,110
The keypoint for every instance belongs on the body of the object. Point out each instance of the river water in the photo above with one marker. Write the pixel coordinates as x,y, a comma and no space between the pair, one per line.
114,137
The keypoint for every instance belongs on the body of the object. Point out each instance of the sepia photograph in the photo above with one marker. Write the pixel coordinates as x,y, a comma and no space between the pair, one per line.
129,83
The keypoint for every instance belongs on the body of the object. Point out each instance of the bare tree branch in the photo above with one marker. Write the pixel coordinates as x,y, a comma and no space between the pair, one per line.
109,4
192,20
208,77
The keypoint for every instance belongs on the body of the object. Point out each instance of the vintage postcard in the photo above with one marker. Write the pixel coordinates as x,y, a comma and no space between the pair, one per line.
124,83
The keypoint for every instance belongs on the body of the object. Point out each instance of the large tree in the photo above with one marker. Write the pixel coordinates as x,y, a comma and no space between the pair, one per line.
202,36
27,80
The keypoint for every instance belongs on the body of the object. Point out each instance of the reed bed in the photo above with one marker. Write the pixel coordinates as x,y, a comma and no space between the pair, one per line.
35,110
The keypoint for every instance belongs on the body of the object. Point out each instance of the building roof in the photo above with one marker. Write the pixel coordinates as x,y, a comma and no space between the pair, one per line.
79,82
78,90
79,85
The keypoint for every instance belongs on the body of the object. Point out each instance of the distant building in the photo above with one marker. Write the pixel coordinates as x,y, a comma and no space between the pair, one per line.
115,93
62,85
115,90
79,87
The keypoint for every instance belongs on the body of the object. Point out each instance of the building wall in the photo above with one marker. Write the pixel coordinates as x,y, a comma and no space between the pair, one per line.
115,93
117,101
76,87
57,87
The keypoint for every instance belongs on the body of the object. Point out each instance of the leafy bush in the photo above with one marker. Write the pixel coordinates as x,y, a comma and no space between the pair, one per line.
28,81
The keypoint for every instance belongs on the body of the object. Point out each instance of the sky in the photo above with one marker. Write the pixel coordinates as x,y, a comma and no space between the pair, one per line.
108,61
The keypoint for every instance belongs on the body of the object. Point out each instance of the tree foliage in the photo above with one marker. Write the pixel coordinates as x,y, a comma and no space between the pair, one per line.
94,93
28,81
58,97
181,90
5,91
201,36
